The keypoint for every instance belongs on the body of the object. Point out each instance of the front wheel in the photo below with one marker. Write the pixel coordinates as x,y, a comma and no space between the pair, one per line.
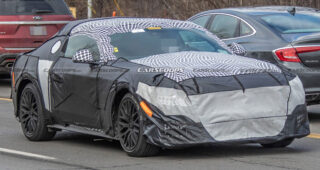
130,129
32,117
279,144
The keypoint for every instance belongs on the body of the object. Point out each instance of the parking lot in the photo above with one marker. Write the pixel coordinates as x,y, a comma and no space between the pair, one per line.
76,151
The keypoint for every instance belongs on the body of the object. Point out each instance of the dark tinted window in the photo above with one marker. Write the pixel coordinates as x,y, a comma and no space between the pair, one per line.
143,43
82,42
201,20
33,7
225,26
298,23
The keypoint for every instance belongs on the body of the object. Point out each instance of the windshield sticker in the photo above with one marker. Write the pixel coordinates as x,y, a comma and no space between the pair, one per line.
154,28
115,49
137,31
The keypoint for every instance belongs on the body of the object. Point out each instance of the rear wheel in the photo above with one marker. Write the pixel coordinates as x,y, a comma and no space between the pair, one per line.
32,118
130,129
279,144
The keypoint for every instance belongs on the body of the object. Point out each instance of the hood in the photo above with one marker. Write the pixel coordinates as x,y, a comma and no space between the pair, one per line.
185,65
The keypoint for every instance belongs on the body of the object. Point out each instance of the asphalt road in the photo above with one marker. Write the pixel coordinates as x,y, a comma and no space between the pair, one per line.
76,151
5,90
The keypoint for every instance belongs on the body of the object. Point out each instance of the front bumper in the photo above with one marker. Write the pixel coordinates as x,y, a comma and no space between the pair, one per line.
180,131
266,109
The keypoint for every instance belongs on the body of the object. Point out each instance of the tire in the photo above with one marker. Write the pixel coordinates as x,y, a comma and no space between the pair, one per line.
32,118
279,144
130,129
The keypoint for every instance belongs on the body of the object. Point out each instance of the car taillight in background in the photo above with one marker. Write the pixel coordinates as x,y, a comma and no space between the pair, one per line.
291,54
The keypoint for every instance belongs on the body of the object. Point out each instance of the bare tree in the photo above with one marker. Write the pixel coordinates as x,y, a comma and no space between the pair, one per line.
176,9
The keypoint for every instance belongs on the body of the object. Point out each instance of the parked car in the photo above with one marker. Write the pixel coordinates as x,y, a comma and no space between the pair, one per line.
284,35
154,83
25,25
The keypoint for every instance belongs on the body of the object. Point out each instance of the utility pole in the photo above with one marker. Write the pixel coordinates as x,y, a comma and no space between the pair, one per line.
89,8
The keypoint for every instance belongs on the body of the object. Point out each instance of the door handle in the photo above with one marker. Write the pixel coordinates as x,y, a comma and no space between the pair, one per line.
56,78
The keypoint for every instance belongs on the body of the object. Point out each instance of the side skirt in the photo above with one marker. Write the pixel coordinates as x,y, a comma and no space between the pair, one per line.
84,130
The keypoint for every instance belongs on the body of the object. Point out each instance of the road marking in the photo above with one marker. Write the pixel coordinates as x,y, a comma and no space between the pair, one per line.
314,136
26,154
6,99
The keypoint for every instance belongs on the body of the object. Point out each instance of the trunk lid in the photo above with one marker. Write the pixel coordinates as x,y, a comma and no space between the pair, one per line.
28,32
307,47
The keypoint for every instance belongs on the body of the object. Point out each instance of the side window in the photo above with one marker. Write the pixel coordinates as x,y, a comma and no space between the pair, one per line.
81,42
225,26
202,21
245,29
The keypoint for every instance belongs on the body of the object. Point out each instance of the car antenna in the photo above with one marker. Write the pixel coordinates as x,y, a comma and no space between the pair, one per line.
292,10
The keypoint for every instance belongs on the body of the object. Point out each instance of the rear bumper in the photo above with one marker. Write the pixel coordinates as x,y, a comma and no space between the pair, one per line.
311,82
6,63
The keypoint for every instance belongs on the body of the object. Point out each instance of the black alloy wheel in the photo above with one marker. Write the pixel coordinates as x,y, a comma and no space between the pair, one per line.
32,118
129,124
29,113
130,129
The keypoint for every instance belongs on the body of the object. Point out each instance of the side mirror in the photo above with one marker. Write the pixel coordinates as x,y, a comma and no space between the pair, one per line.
237,49
83,56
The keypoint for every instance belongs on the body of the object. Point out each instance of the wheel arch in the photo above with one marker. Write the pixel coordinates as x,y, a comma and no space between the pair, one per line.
116,102
22,84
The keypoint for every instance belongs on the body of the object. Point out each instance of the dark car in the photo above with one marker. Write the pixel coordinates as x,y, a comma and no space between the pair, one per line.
154,83
26,24
287,36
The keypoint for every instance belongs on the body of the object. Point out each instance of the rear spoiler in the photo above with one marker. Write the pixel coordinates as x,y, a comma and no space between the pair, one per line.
308,39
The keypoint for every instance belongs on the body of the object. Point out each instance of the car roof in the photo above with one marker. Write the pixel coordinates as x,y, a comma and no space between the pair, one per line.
68,28
261,10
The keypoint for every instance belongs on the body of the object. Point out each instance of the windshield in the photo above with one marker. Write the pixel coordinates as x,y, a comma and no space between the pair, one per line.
33,7
147,42
298,23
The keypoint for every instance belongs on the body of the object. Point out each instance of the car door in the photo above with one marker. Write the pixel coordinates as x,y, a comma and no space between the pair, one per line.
74,85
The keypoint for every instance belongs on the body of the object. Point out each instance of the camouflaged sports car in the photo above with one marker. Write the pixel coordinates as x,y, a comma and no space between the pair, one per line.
154,83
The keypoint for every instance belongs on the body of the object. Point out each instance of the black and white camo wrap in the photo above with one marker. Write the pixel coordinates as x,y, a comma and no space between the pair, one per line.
237,49
205,64
100,30
83,56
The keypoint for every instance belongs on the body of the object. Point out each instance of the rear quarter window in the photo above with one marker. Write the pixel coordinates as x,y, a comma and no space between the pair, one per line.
225,26
245,29
33,7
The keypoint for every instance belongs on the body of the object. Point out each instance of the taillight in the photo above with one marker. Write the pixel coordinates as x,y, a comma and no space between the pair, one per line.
288,54
291,54
11,59
307,49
